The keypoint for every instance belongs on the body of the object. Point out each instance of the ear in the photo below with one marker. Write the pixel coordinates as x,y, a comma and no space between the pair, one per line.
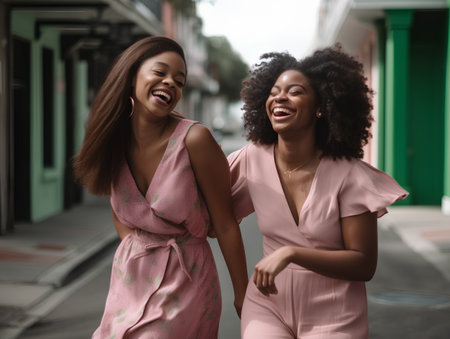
133,82
133,87
318,113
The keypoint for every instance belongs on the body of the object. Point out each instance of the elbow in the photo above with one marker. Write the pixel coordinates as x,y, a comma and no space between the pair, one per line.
368,276
363,269
363,275
368,272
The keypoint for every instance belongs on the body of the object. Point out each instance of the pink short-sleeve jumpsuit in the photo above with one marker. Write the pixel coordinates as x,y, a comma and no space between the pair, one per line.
308,305
164,282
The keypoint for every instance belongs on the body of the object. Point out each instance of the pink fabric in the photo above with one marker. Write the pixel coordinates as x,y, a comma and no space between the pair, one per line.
308,305
164,282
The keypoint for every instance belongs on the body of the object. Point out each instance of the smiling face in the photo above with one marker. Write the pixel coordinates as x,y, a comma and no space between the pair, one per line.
292,104
159,83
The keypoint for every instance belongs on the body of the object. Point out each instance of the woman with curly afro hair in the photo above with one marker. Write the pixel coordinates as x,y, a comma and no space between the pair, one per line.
316,201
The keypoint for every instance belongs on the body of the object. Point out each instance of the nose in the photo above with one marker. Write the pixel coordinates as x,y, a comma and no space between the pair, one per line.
169,80
281,96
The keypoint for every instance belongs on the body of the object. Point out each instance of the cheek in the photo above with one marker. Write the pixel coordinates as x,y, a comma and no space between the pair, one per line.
140,93
268,103
179,94
138,84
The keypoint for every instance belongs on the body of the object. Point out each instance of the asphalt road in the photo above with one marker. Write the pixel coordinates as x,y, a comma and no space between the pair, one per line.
408,298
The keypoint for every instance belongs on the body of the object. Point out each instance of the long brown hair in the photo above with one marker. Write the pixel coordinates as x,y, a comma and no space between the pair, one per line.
97,163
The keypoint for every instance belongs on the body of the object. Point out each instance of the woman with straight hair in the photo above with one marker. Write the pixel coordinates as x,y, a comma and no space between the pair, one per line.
168,182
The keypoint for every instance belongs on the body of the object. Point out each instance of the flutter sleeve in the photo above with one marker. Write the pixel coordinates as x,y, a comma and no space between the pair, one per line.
366,188
241,200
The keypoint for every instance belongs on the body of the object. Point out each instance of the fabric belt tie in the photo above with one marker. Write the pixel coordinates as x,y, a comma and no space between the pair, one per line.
170,243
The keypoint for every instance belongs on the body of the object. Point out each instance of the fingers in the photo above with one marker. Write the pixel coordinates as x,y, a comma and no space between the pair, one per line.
265,282
212,233
238,309
238,302
272,289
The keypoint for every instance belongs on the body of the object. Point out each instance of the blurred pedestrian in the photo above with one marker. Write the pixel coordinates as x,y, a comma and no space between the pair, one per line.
168,180
315,200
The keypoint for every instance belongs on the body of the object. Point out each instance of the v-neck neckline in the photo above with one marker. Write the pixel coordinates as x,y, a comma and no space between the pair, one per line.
130,173
280,186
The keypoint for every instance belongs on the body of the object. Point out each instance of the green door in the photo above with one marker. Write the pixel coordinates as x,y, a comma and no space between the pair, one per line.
427,100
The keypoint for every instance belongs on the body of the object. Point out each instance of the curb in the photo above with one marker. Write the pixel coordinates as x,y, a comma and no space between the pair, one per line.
59,282
57,275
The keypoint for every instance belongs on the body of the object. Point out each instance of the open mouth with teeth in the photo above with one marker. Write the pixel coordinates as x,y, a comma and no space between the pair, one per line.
163,96
281,111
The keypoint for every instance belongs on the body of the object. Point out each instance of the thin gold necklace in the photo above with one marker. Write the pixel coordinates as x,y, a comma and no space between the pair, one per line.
290,171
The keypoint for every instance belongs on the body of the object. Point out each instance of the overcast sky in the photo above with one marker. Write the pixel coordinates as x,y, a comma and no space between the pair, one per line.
254,27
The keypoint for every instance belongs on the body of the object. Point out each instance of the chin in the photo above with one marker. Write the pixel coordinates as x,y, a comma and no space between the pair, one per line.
279,128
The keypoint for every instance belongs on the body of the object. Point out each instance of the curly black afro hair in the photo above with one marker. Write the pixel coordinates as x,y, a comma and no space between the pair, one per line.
344,99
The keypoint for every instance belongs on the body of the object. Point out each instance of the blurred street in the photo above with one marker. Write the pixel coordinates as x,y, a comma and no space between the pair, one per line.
57,241
408,297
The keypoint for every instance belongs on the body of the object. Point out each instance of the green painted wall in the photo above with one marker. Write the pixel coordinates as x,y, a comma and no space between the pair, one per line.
446,191
47,184
82,107
427,106
396,96
412,133
381,37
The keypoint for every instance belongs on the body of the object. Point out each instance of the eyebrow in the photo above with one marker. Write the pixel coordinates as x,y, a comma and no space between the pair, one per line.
160,63
292,85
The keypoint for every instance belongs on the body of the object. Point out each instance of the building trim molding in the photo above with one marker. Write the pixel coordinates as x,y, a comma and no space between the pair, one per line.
445,207
398,4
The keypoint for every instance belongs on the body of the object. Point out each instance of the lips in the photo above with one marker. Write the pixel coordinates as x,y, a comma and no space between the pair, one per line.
281,111
163,95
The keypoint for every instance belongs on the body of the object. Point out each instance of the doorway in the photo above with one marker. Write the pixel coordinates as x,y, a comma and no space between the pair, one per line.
21,121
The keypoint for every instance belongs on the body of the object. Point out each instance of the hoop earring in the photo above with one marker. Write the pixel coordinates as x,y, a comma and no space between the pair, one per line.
132,107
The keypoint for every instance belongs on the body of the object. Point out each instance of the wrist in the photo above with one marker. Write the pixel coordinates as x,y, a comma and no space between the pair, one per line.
288,254
239,294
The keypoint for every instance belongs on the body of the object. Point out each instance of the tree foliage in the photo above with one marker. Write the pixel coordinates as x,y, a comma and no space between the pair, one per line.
185,6
226,66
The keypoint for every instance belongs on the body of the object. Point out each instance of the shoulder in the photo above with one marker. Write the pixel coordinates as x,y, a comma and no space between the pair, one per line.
251,157
340,165
357,167
248,150
202,147
354,172
252,149
198,136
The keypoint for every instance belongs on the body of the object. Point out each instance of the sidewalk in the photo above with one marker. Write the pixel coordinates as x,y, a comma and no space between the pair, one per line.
38,260
425,230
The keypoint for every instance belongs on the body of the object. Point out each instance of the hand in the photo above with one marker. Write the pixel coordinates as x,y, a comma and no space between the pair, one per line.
268,268
211,231
238,307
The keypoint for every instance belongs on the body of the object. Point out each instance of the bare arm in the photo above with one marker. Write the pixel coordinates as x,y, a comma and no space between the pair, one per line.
213,177
121,229
357,261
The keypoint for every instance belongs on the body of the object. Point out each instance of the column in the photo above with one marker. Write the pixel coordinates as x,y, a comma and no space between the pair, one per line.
446,191
381,38
396,112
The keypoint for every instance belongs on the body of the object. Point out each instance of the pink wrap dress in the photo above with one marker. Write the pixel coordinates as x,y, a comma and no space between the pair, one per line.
308,305
164,282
